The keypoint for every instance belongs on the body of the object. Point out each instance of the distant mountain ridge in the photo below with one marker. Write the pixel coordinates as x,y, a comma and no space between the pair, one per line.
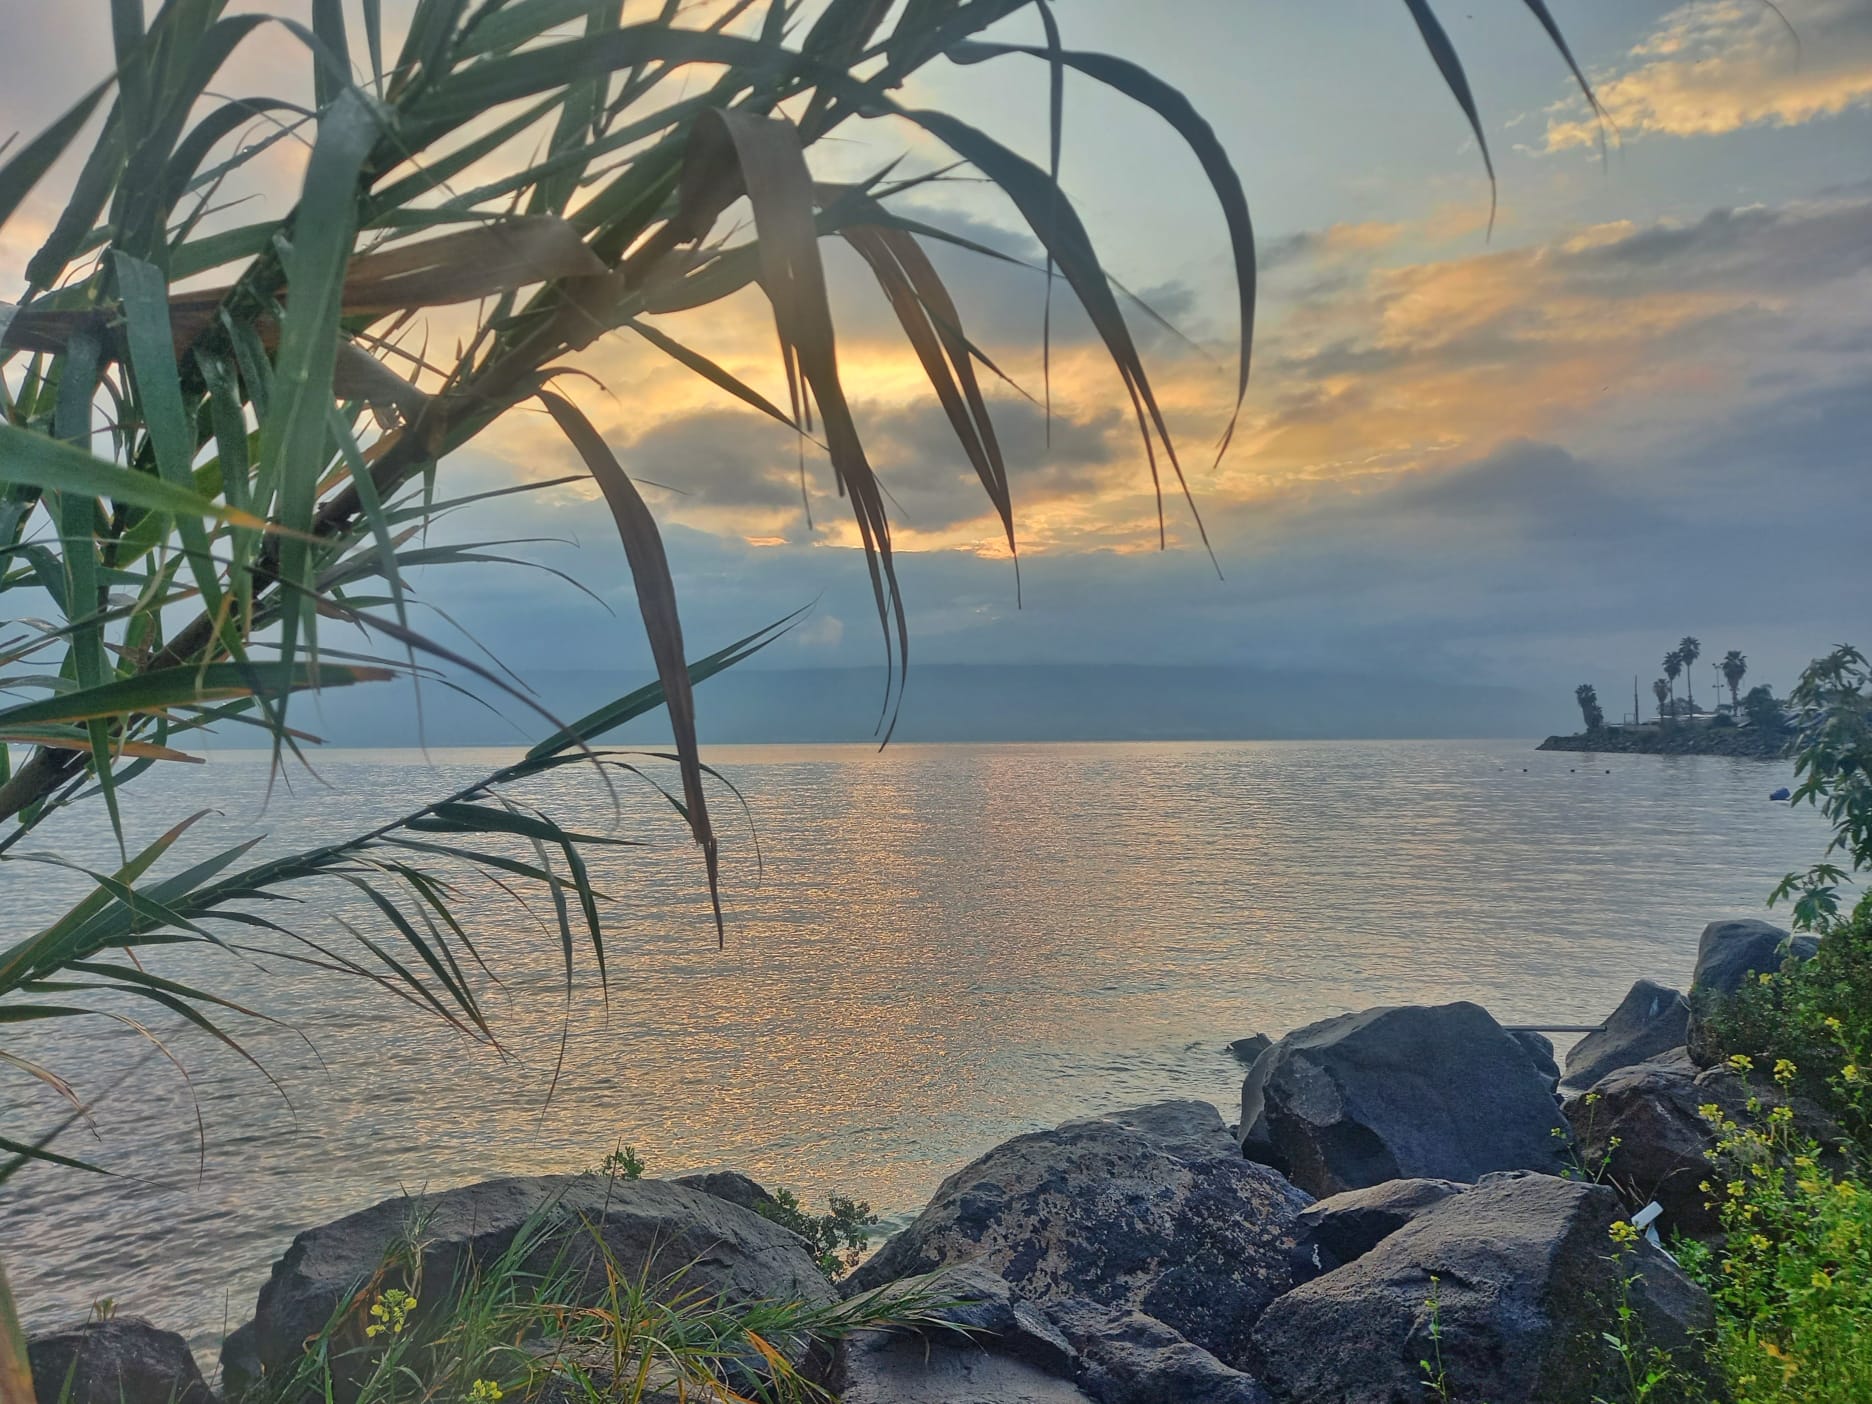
960,702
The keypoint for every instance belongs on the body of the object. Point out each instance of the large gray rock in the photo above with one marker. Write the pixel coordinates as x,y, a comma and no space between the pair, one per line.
973,1301
1126,1357
1641,1130
1350,1225
1117,1356
982,1345
1729,953
124,1360
1652,1019
1413,1091
1246,1050
730,1185
1540,1051
1525,1280
888,1369
1153,1211
698,1242
1190,1130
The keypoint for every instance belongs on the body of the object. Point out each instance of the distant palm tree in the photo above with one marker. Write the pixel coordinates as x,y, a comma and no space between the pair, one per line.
1734,669
1588,698
1673,665
1689,651
1662,691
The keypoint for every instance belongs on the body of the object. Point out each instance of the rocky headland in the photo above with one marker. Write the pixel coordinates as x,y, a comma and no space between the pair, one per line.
1747,742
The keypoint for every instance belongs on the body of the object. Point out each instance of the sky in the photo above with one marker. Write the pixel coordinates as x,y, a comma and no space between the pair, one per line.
1531,456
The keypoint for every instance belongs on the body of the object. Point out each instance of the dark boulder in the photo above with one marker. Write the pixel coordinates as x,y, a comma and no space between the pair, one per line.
1540,1052
730,1185
1246,1050
1127,1357
1413,1091
981,1345
879,1368
1524,1277
1650,1020
689,1241
1152,1211
1641,1130
122,1360
1350,1225
975,1302
1728,954
1189,1130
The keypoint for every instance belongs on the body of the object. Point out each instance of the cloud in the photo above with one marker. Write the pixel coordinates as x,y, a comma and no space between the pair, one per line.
1716,66
1527,491
1532,563
1614,332
1334,243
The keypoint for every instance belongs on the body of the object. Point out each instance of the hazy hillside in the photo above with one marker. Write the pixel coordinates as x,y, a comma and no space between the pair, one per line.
1085,702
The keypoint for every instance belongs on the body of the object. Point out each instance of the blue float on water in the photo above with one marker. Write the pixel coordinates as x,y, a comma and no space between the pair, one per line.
1780,794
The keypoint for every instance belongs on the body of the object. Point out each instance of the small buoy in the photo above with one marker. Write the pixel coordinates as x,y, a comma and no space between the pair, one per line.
1780,794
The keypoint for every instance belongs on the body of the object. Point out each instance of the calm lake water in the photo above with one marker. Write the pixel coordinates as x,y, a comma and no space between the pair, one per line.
948,945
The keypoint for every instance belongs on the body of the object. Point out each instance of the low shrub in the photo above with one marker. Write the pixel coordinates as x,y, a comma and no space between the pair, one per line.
1792,1276
838,1237
1792,1279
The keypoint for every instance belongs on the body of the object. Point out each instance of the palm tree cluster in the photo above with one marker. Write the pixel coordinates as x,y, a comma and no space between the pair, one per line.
1678,663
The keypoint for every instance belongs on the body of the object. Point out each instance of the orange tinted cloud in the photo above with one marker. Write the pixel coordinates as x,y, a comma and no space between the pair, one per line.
1379,373
1716,66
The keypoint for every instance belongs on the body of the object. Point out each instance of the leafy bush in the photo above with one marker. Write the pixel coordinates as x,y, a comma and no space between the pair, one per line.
1817,1014
838,1237
1762,710
1793,1280
1834,767
622,1164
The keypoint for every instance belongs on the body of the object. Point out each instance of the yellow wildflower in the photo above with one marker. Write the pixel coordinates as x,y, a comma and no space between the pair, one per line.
1741,1063
1624,1232
484,1392
390,1312
1784,1071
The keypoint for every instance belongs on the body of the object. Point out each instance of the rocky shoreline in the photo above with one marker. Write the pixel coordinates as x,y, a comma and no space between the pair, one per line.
1746,742
1406,1194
